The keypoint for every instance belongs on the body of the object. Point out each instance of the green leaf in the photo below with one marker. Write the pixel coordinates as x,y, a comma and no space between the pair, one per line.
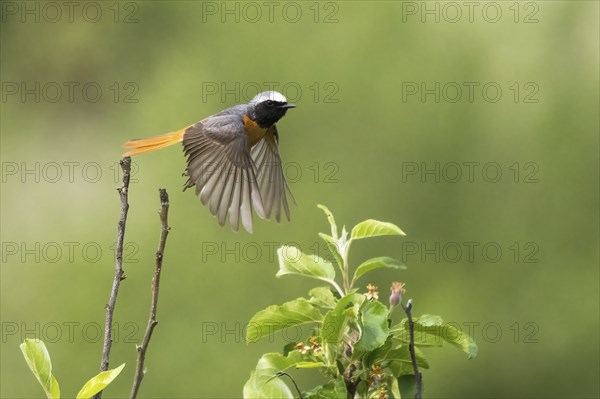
376,263
330,219
378,354
336,320
38,359
99,382
402,354
287,348
374,323
425,328
55,391
395,389
400,362
309,365
271,363
408,386
401,368
293,261
259,388
362,389
278,317
263,381
430,330
429,320
460,340
423,337
333,389
322,297
386,355
373,228
333,248
335,324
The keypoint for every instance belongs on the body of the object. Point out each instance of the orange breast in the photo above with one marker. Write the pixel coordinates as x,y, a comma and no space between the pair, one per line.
255,133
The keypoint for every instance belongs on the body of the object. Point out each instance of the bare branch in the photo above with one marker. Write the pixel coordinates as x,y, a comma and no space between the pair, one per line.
411,349
119,273
282,373
141,349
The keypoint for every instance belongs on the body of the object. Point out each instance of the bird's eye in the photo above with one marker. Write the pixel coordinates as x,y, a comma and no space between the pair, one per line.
269,103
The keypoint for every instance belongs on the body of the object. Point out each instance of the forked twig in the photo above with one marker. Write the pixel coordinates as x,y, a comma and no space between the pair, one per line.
119,273
142,349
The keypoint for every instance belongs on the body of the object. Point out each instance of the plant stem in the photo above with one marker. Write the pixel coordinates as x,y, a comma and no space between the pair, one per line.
411,349
282,373
337,287
119,273
346,267
141,349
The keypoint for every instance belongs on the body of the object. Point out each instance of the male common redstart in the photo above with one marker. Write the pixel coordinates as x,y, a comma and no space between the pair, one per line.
233,159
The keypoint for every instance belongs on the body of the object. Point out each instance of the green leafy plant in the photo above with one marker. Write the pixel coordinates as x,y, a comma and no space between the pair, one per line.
354,342
38,359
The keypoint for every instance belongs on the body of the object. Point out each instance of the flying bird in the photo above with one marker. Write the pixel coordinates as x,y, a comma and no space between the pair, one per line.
233,160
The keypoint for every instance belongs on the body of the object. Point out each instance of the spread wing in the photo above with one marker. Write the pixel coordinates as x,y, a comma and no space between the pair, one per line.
221,168
271,181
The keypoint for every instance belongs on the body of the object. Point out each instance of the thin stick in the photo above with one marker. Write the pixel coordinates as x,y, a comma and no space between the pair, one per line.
119,273
282,373
141,349
411,349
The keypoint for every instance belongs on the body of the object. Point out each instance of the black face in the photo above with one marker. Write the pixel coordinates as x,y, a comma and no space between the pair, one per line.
267,113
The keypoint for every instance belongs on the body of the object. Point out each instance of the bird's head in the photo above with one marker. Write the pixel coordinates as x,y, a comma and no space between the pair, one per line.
268,107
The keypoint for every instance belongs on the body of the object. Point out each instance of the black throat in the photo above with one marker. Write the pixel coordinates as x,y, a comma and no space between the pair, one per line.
265,115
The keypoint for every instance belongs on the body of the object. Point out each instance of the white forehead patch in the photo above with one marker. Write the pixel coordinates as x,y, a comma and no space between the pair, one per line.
269,95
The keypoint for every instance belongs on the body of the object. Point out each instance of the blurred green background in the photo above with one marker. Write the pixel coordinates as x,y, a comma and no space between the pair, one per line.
358,142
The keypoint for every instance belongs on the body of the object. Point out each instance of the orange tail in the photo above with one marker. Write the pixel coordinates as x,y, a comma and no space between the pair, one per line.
140,146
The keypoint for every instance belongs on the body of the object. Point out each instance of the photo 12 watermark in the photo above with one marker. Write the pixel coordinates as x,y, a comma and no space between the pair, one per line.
526,172
70,92
325,92
253,12
63,171
472,252
91,172
426,252
91,12
452,12
64,252
68,331
470,92
491,332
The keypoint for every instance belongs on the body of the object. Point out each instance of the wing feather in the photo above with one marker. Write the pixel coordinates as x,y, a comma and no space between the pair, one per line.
271,180
222,170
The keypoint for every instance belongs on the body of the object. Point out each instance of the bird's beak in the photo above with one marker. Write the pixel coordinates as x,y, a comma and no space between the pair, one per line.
287,105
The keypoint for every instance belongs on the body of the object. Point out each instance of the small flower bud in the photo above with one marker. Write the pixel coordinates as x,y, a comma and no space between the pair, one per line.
372,292
397,291
314,343
381,393
376,374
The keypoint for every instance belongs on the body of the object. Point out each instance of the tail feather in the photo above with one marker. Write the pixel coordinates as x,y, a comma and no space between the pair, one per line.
140,146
